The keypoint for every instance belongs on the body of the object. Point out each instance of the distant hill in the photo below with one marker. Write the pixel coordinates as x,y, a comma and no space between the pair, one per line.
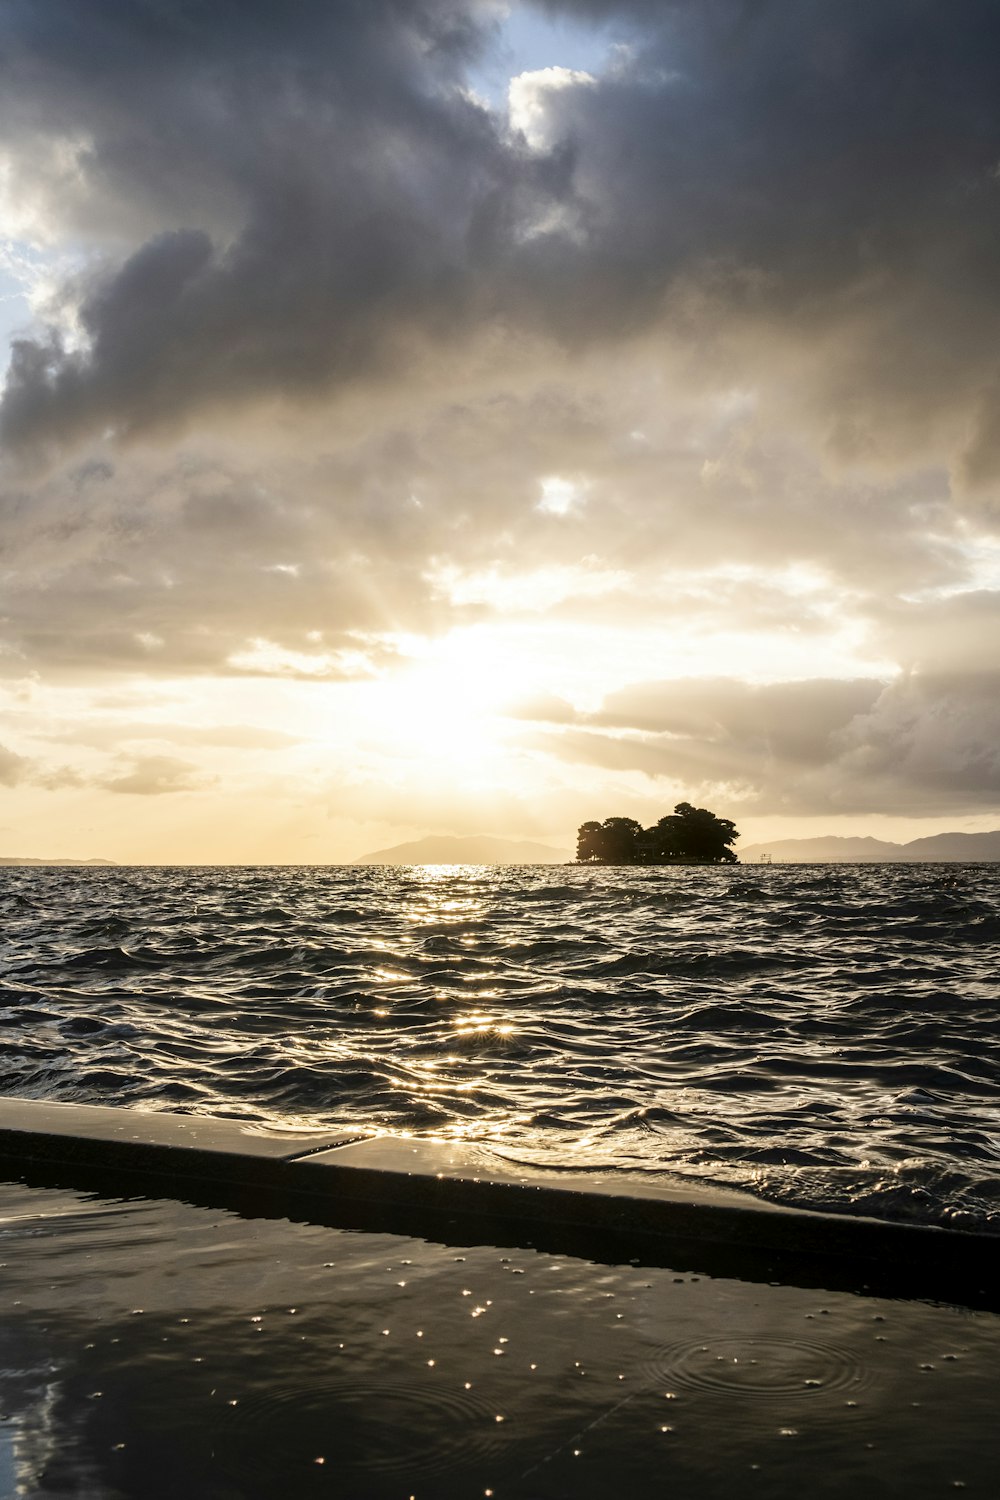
479,849
944,848
17,859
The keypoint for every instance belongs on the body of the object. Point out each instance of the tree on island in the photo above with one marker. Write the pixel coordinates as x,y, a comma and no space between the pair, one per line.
688,835
613,842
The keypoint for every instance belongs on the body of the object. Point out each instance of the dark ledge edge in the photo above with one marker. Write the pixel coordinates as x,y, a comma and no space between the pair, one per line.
463,1196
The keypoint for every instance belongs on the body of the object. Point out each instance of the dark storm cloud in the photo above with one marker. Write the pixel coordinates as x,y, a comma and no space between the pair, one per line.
310,175
805,193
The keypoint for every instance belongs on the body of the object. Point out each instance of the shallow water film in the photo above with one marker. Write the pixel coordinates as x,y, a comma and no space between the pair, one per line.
824,1036
155,1350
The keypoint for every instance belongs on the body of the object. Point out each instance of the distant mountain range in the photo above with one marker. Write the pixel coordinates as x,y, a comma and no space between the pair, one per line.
479,849
944,848
17,859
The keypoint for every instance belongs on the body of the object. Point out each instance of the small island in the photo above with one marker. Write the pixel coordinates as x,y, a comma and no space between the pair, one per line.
687,836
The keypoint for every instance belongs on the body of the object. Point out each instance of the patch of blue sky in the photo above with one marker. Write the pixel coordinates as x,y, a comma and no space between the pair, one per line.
530,39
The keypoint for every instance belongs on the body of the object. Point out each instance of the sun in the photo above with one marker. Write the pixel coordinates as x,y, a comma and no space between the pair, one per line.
446,703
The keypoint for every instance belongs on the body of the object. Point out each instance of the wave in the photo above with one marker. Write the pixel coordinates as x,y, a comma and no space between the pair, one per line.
821,1037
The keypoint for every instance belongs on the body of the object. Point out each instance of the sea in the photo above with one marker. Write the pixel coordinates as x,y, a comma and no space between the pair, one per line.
820,1036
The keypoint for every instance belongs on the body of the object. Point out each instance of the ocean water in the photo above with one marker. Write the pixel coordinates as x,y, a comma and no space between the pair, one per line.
821,1036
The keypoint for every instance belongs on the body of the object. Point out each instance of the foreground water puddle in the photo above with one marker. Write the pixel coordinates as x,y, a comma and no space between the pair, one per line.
152,1349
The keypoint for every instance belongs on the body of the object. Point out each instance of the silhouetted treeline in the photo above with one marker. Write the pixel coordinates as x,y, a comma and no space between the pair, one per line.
687,835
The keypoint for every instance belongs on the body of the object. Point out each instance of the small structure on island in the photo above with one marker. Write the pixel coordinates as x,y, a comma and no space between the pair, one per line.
687,836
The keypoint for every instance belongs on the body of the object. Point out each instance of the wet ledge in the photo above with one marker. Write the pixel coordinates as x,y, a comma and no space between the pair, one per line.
466,1194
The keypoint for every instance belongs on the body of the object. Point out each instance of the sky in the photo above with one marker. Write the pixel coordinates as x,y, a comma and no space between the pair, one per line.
454,416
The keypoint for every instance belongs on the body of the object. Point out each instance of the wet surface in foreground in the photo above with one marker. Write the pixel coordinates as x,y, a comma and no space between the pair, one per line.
153,1349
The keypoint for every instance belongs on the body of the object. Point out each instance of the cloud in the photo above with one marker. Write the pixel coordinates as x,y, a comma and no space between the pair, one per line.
927,739
941,635
792,721
310,199
216,736
546,708
225,736
691,363
13,767
529,106
327,543
299,193
58,778
822,746
153,775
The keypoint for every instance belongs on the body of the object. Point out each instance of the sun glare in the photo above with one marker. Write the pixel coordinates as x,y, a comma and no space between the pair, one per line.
447,704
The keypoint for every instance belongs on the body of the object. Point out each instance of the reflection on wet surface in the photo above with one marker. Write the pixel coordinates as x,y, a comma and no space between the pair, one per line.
155,1349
